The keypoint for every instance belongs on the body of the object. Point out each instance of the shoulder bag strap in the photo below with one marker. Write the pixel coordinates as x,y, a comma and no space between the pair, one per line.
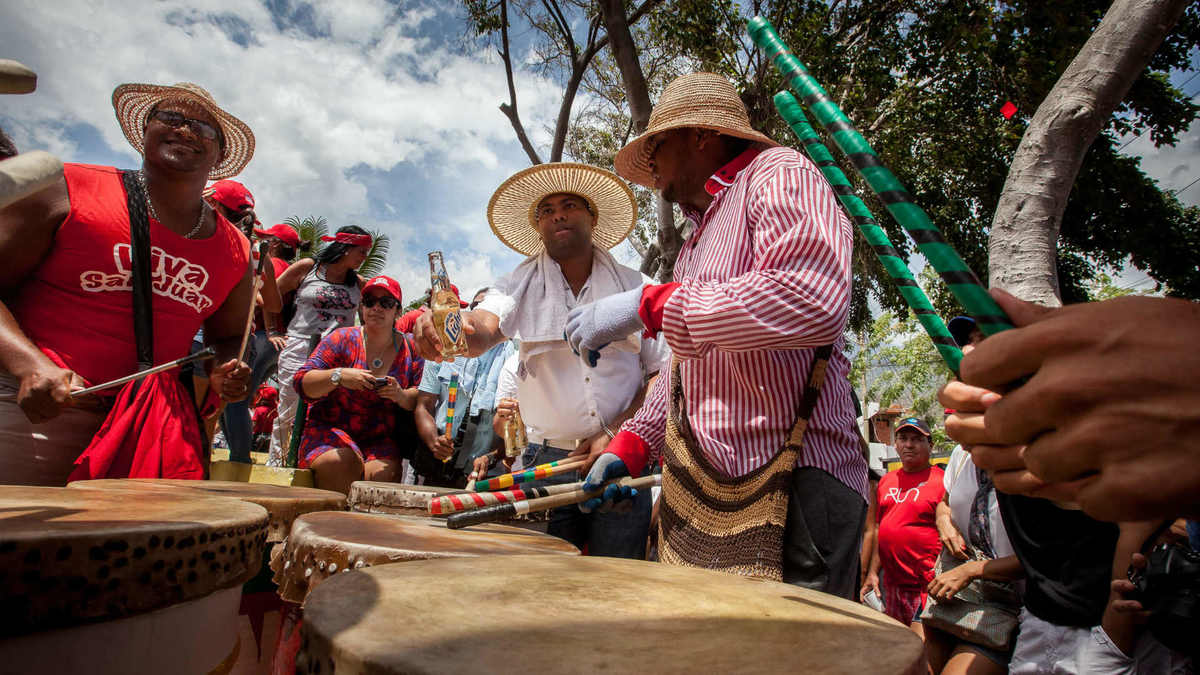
139,239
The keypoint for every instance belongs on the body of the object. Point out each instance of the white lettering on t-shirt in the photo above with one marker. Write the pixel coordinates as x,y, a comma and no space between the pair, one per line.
170,276
899,497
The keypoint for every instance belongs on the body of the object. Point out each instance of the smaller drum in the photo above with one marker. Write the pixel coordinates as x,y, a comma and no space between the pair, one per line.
284,504
589,615
368,496
324,544
95,581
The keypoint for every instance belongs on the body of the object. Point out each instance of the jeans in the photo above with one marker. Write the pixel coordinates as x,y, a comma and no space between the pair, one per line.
618,533
235,421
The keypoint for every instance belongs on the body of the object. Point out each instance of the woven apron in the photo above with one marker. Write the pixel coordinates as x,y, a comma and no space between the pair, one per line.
734,525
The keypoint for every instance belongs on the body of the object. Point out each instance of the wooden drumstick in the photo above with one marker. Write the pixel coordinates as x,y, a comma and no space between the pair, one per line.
536,473
496,512
469,501
202,355
258,284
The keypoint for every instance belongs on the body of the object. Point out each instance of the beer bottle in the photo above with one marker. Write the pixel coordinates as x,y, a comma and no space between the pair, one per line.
444,303
515,440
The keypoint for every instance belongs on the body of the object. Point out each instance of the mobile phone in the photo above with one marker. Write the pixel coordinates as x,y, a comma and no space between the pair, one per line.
380,382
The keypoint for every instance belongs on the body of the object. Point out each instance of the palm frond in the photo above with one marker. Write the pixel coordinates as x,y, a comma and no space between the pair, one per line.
376,260
310,228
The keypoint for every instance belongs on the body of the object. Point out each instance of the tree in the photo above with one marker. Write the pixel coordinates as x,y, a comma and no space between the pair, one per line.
924,81
1024,235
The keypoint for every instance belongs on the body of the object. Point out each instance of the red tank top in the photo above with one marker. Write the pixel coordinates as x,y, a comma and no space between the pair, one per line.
77,307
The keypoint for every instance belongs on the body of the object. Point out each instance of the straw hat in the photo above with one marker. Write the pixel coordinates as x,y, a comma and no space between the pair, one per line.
703,100
133,102
511,209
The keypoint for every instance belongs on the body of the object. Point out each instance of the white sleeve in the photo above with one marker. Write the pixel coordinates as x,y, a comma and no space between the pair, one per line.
498,300
506,386
656,356
954,466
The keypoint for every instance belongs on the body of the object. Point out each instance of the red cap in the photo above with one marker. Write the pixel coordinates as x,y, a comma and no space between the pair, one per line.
231,194
461,304
286,233
386,283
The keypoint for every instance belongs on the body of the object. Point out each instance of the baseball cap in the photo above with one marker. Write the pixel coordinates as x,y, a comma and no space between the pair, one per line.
961,327
286,233
231,194
461,304
386,283
915,423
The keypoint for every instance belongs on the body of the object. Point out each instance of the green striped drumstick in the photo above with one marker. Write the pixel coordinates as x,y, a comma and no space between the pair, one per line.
896,268
962,282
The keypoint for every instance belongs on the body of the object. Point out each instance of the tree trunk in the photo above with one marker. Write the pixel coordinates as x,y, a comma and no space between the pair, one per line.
624,51
1024,235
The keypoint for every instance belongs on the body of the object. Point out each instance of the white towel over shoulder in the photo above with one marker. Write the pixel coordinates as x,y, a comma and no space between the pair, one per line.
532,302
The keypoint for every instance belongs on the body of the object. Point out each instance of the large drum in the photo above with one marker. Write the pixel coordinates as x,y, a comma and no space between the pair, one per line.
263,616
395,498
94,581
323,545
589,615
283,504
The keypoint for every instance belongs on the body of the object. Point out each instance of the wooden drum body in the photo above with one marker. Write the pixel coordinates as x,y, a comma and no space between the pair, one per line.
589,615
395,498
262,612
97,582
323,545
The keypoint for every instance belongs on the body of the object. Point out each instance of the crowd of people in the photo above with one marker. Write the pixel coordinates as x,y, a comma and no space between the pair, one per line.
1079,455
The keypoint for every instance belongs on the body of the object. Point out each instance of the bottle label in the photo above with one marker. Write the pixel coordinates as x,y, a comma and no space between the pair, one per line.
453,326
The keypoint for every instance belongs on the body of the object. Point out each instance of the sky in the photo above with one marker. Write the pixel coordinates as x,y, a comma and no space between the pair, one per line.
366,112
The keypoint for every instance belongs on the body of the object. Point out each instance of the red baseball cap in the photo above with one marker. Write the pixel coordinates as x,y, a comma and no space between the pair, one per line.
461,304
386,283
231,194
286,233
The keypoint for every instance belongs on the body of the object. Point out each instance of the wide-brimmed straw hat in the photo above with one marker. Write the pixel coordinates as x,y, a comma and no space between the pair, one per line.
133,102
512,209
701,100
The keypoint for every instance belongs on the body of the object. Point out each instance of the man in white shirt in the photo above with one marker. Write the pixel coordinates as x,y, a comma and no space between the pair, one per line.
566,217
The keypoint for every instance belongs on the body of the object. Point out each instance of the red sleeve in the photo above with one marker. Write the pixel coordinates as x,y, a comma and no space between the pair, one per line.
632,450
654,302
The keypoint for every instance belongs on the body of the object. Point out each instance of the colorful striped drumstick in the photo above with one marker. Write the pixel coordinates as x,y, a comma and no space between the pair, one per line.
451,397
896,268
488,514
536,473
467,501
963,283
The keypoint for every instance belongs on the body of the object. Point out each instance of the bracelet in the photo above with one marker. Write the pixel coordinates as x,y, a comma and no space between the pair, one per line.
610,432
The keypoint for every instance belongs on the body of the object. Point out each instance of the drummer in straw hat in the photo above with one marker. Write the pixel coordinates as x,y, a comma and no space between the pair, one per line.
67,318
762,282
565,217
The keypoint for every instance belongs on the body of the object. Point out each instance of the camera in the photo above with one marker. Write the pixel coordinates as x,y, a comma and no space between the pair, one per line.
1169,588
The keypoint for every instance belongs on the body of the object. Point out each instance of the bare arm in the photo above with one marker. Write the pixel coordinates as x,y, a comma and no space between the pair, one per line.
481,328
272,299
427,427
27,231
293,275
948,533
223,332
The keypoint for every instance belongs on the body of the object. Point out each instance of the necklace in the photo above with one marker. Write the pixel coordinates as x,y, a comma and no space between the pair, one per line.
375,363
150,203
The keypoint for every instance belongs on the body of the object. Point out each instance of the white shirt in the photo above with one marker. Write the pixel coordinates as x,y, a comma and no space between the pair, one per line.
561,397
961,485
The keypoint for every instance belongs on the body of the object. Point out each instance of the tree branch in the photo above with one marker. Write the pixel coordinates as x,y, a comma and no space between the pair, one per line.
510,109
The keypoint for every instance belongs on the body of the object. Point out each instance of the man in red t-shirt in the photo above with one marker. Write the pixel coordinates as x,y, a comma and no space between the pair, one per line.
908,543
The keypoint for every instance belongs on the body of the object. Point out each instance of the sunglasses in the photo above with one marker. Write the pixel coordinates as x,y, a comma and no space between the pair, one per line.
385,302
175,120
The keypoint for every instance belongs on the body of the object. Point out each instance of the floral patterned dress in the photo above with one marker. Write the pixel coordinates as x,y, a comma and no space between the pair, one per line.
360,420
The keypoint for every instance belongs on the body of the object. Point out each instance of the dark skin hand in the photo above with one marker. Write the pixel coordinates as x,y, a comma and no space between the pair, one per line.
427,428
1109,407
177,162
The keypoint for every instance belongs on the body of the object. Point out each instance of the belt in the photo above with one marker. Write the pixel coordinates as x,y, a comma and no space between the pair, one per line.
567,444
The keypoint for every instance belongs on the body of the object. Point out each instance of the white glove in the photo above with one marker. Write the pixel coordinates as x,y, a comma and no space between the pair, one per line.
593,326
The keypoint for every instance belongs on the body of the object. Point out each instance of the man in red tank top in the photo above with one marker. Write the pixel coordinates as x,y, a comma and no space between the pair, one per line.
66,321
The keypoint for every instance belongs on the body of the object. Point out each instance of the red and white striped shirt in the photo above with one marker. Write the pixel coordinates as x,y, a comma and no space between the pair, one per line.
763,280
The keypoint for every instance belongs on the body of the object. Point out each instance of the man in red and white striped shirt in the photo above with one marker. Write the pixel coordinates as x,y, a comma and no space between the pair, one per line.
762,280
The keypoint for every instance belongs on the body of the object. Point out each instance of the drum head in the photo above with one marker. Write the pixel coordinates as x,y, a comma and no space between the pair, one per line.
405,500
324,544
283,503
75,556
590,615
